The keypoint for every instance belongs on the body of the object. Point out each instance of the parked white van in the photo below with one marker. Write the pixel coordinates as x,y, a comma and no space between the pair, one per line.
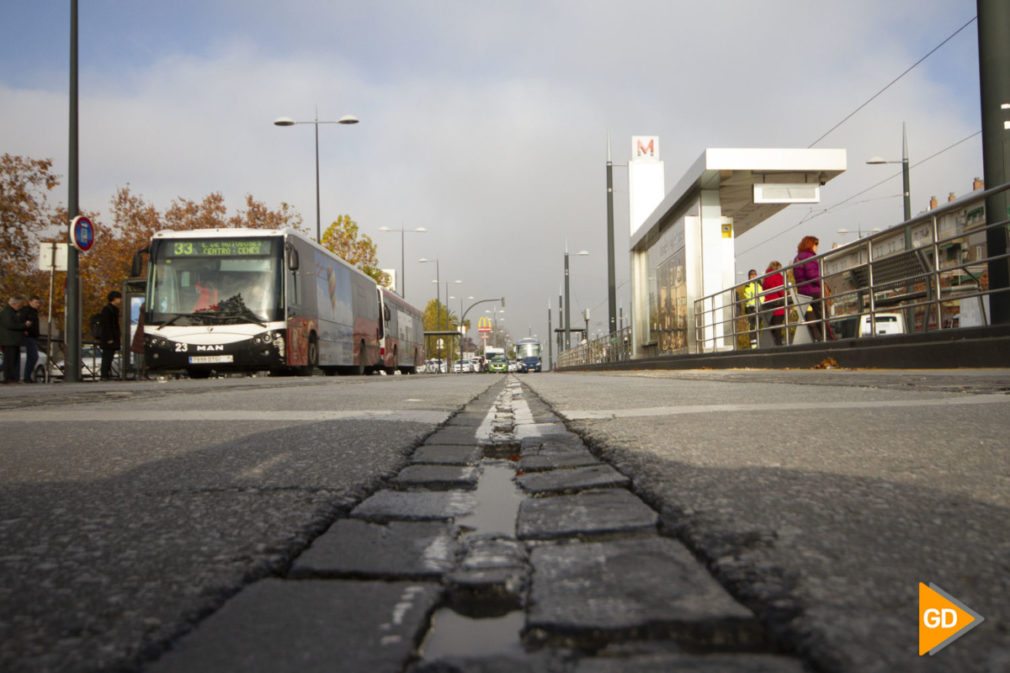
886,323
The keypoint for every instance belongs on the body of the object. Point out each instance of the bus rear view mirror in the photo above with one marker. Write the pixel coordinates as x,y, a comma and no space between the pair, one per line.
137,265
292,256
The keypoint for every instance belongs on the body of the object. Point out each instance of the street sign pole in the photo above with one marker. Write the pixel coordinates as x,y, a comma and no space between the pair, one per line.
72,323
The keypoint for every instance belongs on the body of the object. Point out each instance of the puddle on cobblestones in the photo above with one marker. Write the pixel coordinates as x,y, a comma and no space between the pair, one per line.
453,635
498,499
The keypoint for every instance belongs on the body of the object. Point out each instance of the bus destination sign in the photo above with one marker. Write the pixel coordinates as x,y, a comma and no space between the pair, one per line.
227,247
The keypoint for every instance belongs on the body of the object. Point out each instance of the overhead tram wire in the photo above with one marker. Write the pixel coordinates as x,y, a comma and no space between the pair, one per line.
893,82
811,215
824,211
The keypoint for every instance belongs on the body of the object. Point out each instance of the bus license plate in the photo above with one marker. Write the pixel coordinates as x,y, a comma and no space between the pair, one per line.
209,359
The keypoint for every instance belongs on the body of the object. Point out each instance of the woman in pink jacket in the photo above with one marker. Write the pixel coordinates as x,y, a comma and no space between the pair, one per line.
808,280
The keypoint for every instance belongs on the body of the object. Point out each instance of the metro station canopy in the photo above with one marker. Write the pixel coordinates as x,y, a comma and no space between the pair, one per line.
753,183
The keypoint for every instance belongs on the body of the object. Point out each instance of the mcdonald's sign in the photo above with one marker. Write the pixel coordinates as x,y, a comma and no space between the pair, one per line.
484,325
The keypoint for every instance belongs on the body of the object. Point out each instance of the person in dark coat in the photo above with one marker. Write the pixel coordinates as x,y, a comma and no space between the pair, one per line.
110,333
137,346
12,335
30,314
808,280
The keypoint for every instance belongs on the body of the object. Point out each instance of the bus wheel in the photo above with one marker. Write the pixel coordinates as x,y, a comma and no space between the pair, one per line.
313,357
359,369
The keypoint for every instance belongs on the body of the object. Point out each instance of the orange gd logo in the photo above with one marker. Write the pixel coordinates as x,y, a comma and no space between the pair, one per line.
942,619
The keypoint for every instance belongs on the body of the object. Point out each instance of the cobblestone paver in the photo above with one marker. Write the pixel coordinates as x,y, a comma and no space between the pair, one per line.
584,582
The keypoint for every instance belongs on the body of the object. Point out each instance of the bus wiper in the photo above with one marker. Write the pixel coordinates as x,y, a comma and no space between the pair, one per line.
240,310
198,316
174,318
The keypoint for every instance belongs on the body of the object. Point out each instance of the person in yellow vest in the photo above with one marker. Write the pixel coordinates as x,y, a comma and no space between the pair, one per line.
750,292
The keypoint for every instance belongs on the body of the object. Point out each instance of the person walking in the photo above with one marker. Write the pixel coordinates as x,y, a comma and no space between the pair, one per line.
12,335
137,347
807,273
774,299
750,292
110,333
30,314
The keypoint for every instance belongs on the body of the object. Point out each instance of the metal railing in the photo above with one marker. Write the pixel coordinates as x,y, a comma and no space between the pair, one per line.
928,273
614,347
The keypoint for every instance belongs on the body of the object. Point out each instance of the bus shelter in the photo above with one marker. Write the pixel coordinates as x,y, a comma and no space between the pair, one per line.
685,249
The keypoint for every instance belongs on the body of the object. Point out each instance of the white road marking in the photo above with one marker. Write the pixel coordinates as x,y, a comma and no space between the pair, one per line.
124,413
602,414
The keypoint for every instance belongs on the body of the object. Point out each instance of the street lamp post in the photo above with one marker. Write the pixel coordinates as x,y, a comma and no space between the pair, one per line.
438,308
909,312
403,269
568,316
876,161
611,274
460,326
288,121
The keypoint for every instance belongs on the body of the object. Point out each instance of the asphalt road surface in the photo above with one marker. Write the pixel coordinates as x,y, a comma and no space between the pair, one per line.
138,516
128,511
822,498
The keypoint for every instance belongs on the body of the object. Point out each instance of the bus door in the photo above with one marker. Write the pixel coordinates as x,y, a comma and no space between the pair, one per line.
385,340
297,320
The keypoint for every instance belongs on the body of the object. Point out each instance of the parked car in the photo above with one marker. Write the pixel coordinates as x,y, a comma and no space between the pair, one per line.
435,366
886,323
38,372
91,363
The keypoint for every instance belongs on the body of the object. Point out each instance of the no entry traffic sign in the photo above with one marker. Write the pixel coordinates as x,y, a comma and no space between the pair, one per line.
82,233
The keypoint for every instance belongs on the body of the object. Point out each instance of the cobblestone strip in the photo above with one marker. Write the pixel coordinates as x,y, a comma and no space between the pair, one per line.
504,545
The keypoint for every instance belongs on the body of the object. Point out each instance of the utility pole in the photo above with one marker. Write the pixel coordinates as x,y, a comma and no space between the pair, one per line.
550,339
993,20
611,275
568,317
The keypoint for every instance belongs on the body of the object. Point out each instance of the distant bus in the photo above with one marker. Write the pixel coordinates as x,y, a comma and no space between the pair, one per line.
528,355
223,300
402,343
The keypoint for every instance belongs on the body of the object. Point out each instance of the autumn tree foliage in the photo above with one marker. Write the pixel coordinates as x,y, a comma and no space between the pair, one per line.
438,318
27,218
343,239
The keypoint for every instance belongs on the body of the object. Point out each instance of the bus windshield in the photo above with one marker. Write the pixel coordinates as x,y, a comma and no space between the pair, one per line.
527,349
215,281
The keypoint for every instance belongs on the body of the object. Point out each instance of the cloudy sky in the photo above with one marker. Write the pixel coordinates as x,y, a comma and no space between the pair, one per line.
486,122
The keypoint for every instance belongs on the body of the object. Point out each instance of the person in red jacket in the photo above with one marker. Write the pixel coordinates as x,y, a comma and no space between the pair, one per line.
774,299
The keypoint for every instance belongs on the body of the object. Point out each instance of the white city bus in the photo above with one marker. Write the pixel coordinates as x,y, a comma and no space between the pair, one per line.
402,344
223,300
